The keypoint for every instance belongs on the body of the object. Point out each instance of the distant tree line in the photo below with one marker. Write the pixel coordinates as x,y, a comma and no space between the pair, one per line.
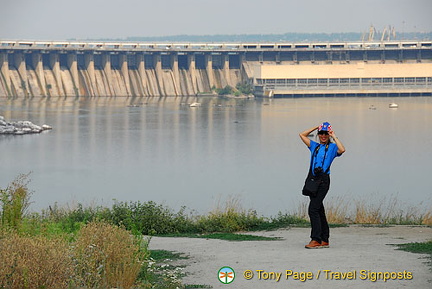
286,37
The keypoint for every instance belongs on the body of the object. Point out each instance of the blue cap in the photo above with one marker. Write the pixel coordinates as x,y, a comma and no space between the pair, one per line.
325,126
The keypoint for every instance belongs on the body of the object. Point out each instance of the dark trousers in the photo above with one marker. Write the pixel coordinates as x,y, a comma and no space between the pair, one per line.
320,229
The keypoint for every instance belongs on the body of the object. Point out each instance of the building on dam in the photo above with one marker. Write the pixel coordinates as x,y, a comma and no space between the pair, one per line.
93,69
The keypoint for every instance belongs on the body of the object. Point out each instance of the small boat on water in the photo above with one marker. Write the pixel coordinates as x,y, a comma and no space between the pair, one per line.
393,105
195,104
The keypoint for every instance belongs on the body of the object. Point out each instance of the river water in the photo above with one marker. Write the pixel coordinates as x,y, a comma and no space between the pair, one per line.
101,149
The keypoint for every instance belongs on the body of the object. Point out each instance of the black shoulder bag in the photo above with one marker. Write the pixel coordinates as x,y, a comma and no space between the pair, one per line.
312,182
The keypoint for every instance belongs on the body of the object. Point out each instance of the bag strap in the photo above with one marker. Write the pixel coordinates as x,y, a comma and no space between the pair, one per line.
315,153
313,156
325,154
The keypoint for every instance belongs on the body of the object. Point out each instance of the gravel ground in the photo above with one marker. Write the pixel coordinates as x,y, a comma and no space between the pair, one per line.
355,257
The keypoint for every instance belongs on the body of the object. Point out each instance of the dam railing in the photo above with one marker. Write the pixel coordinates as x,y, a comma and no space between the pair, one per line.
108,45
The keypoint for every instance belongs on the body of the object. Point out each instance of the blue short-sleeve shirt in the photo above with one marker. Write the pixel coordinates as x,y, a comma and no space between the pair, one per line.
319,160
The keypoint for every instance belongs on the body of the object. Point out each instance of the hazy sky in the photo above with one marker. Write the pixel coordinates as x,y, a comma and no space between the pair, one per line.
63,19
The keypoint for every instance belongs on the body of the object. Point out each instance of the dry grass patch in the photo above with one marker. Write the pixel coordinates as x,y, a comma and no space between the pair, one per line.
363,210
367,214
427,219
34,262
337,211
108,256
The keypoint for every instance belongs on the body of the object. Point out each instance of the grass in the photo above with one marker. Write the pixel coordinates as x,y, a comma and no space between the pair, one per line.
165,274
420,248
237,237
164,257
160,255
225,236
281,220
229,217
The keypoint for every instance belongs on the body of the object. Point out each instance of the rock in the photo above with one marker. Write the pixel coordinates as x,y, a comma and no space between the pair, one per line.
21,127
7,129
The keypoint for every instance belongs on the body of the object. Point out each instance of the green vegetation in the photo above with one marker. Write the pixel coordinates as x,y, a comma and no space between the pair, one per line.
225,236
15,200
245,88
39,251
100,247
163,255
420,248
240,89
95,247
162,259
282,221
237,237
162,273
227,90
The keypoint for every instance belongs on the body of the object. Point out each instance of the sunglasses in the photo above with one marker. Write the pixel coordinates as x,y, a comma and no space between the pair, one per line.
323,133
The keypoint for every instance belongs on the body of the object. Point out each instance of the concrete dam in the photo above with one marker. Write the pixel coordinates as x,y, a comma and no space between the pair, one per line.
97,69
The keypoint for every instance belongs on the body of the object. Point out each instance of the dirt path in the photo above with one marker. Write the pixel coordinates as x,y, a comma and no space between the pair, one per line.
355,254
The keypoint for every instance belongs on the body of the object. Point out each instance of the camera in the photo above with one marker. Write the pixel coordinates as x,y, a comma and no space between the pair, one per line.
318,171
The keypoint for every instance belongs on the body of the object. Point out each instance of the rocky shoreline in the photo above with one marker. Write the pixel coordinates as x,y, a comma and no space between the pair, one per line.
21,127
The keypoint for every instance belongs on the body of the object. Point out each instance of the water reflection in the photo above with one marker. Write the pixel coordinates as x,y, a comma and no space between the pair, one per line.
161,149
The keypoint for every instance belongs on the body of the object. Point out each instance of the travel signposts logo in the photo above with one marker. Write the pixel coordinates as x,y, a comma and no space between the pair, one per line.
226,275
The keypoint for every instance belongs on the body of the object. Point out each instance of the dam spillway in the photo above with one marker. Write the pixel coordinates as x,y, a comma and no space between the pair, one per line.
96,69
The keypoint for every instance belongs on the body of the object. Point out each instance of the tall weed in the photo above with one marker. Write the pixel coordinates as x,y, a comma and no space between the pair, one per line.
368,213
73,217
230,217
427,218
337,211
107,256
34,262
369,210
15,200
148,218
